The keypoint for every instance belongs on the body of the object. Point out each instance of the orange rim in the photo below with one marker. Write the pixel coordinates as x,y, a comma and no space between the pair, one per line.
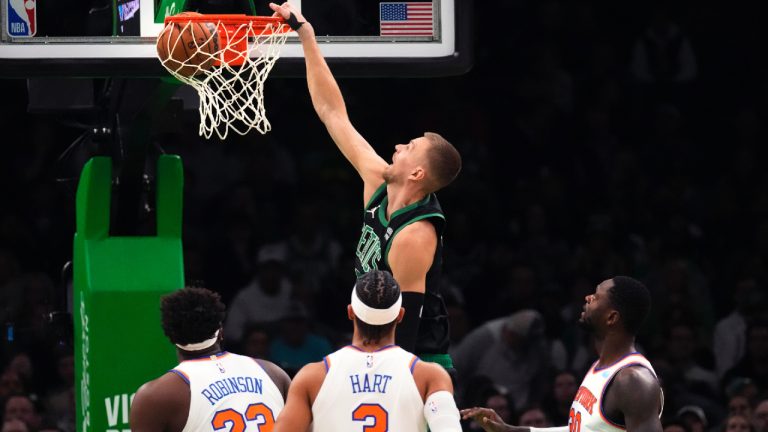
259,23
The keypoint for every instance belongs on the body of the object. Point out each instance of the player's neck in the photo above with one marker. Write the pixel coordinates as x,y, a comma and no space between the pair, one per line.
191,355
400,196
614,347
368,346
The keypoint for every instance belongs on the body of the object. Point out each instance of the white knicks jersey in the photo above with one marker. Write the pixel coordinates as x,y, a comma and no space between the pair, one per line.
229,392
587,408
369,391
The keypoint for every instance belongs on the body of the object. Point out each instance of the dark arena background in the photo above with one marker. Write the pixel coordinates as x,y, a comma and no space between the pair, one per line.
598,139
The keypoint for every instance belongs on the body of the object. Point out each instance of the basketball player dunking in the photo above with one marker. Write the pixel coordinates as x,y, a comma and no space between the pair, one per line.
371,385
620,392
403,222
209,389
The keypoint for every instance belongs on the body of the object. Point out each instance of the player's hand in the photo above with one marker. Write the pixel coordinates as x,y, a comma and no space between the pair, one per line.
298,24
285,10
487,419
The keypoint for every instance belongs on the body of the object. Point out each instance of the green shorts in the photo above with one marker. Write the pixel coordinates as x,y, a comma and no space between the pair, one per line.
443,360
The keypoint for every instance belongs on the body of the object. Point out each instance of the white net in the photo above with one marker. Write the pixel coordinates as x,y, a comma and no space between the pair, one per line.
227,64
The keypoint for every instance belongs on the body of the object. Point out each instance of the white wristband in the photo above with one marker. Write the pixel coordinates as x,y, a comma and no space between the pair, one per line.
441,412
550,429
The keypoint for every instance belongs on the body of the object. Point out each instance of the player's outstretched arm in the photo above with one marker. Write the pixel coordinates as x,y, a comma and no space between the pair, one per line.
330,107
297,414
490,421
636,393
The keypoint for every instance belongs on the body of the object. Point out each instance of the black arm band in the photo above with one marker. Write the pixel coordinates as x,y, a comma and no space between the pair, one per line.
408,329
293,22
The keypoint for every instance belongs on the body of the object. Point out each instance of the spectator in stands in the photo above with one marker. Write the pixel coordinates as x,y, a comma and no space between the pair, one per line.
512,351
737,423
14,425
266,299
558,402
534,417
255,343
693,418
760,416
21,407
730,337
296,345
754,365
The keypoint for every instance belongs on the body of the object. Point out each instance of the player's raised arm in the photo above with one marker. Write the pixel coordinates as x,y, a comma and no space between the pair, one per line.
329,104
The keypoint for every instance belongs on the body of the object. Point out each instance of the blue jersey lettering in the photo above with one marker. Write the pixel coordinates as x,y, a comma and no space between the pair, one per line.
376,384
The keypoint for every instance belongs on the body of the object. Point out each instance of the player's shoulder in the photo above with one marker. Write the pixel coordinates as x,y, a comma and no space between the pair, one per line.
430,378
635,392
309,379
632,383
310,376
270,368
429,370
635,375
166,389
416,234
276,374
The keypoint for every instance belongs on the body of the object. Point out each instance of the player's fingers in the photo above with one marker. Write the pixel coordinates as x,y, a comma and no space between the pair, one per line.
493,425
279,10
478,411
468,412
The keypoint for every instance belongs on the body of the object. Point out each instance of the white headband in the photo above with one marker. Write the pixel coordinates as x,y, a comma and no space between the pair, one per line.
200,345
373,316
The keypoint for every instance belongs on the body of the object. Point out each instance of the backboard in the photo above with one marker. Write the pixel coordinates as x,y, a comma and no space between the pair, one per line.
92,38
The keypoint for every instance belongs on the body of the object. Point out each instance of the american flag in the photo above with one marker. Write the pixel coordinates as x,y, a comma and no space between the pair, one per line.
406,19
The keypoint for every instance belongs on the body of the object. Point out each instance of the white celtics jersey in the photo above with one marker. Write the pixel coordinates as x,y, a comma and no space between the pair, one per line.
587,408
229,390
369,391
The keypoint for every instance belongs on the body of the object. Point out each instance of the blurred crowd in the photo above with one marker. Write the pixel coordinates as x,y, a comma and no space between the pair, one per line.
599,139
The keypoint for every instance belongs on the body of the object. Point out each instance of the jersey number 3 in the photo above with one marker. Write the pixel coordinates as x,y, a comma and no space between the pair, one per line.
237,421
380,417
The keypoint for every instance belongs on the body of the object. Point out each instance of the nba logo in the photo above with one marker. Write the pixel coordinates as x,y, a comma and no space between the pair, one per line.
22,18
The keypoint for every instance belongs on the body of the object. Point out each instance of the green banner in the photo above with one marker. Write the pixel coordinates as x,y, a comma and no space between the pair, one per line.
169,7
118,282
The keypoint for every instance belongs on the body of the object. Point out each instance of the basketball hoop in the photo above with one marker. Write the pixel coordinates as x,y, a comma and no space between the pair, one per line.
226,58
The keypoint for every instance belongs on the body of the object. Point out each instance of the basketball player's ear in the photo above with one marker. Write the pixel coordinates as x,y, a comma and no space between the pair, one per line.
400,315
350,313
418,174
613,318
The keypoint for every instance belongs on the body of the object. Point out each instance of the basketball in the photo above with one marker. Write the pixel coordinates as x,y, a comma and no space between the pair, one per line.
187,48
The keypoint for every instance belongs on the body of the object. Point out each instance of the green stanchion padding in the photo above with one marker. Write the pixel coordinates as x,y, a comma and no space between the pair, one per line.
168,8
119,344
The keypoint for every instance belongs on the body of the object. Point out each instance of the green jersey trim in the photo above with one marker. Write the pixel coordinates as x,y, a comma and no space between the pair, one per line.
376,194
392,238
383,209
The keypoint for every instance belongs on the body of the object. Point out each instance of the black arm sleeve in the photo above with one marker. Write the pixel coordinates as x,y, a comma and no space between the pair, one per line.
408,329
